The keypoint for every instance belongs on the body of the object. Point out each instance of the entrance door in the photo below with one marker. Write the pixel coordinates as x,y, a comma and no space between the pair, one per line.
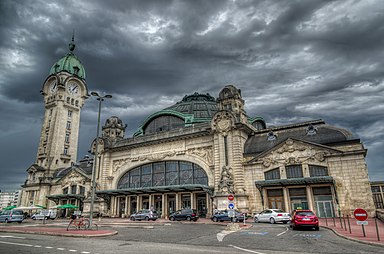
202,205
158,205
324,209
276,203
121,206
171,204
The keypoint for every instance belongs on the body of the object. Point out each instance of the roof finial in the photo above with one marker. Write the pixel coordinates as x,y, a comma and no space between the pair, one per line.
72,44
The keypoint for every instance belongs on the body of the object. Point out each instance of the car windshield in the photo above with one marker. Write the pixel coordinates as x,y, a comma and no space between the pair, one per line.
278,211
307,213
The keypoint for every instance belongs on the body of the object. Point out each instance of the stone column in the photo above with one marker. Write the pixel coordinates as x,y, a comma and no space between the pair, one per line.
150,201
208,205
265,199
178,197
193,200
129,205
286,199
139,202
126,206
310,198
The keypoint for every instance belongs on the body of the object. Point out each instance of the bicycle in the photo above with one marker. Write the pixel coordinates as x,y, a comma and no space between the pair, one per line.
80,223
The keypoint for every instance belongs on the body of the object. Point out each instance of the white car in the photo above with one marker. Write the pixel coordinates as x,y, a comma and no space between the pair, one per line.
45,214
272,216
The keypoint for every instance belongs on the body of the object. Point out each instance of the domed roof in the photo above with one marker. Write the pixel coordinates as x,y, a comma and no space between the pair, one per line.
69,63
194,108
202,106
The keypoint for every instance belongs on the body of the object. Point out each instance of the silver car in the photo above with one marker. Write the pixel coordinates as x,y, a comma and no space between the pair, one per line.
144,215
272,216
12,216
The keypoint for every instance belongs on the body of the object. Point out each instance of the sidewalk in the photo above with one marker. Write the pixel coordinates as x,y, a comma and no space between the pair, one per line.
354,232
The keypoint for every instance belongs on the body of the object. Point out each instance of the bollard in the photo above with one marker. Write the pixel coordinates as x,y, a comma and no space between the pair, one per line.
326,221
345,226
334,222
377,230
349,225
362,226
341,223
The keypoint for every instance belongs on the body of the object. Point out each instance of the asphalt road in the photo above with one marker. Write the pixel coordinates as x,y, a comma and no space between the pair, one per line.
189,238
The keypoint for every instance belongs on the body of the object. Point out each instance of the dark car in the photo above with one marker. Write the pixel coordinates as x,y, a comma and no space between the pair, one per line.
224,215
144,215
304,218
184,214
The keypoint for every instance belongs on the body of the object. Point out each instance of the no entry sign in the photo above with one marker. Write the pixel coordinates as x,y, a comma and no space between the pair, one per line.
360,214
231,197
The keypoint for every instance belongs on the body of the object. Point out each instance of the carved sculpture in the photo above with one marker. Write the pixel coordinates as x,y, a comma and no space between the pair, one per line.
226,180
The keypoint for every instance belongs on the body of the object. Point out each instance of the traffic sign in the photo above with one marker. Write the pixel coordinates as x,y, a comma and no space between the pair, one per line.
231,206
231,197
362,222
360,214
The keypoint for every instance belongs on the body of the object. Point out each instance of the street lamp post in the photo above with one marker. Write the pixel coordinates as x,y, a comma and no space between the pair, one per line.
93,183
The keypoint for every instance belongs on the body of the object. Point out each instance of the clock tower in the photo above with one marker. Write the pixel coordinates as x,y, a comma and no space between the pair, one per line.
64,92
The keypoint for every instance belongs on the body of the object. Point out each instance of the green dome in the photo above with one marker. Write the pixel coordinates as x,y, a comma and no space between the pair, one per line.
69,63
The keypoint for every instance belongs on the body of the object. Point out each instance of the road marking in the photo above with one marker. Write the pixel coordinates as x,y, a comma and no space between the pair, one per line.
283,232
48,247
251,251
85,252
20,244
253,233
220,236
37,246
10,236
72,250
60,248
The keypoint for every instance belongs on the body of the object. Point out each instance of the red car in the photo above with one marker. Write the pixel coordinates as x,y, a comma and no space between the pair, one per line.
304,218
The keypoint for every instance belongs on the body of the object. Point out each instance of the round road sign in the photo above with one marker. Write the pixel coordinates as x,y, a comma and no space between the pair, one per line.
231,197
360,214
231,206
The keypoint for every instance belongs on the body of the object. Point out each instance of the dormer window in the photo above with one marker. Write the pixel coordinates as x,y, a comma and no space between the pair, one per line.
271,136
76,70
311,130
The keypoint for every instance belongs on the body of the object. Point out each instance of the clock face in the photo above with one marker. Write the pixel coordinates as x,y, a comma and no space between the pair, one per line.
73,88
53,87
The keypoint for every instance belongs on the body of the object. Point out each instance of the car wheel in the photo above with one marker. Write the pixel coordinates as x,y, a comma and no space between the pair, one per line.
256,220
215,219
132,218
317,228
19,221
285,222
272,220
6,221
172,218
147,218
188,218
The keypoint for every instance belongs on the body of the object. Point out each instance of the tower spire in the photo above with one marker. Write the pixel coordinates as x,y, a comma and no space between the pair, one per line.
72,43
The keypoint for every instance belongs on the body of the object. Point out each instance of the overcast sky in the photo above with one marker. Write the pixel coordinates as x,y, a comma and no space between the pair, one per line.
293,60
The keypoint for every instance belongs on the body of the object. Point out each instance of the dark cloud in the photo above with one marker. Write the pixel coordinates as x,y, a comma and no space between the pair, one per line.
294,61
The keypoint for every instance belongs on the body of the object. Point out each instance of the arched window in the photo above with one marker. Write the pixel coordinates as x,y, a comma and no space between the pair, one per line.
163,173
163,123
272,174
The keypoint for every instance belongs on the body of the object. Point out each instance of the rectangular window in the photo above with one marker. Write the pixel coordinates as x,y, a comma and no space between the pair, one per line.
315,170
69,113
65,150
272,174
66,137
68,125
294,171
375,189
73,189
82,190
65,190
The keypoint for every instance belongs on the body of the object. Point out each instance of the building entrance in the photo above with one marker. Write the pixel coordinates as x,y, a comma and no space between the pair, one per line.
202,205
276,199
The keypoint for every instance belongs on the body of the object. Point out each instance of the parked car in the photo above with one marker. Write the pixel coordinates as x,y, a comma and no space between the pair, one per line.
184,214
144,215
223,215
12,216
44,214
304,218
272,216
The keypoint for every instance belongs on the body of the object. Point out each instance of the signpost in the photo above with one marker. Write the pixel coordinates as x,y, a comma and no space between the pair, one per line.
231,206
231,197
361,215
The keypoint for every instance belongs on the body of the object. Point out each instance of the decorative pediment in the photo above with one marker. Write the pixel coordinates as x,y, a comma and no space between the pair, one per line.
35,168
74,177
294,151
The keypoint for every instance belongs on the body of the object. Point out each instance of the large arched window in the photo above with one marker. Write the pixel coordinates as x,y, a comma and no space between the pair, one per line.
164,123
163,173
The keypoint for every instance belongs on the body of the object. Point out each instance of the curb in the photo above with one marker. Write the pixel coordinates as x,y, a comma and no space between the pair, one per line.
59,233
353,239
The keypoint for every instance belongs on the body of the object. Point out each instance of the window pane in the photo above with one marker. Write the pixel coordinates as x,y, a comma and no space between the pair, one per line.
315,170
294,171
272,174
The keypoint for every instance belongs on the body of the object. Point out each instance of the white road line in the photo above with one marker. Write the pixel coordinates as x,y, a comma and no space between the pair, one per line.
220,236
283,232
10,236
49,247
37,246
20,244
85,252
60,248
251,251
72,250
